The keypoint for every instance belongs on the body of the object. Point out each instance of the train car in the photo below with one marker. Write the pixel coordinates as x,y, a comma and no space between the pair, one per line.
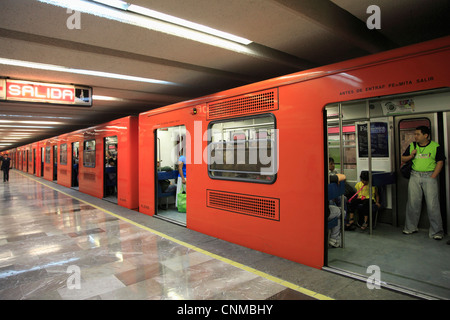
102,161
257,156
68,159
31,150
50,158
19,159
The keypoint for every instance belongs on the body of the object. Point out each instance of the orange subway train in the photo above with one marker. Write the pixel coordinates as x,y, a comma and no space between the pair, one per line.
256,158
88,160
272,193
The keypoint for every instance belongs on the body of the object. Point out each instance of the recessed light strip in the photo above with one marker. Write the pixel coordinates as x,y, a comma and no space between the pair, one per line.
187,24
51,67
122,5
139,17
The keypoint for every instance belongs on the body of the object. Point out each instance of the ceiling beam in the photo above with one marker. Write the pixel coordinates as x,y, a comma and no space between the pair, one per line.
341,23
83,47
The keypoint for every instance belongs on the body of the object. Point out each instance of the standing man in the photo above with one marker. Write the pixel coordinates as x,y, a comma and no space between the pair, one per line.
6,163
428,159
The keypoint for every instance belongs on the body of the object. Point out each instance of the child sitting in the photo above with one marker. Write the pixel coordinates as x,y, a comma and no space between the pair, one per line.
361,197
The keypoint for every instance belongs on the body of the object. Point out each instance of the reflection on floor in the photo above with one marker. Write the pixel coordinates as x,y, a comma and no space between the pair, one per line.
413,261
53,246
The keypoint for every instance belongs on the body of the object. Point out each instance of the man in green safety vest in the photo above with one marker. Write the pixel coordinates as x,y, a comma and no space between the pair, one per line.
428,159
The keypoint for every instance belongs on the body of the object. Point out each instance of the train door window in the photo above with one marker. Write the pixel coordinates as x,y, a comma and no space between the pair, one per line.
349,147
75,158
110,170
89,153
43,157
26,160
63,154
243,149
55,162
30,160
170,146
34,161
47,154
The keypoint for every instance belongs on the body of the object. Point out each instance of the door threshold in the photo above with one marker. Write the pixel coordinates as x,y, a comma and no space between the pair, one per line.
383,284
170,220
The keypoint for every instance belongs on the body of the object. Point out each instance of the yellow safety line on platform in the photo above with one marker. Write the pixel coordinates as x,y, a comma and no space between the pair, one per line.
190,246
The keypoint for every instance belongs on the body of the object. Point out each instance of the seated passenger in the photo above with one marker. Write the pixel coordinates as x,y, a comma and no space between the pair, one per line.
361,200
335,212
349,225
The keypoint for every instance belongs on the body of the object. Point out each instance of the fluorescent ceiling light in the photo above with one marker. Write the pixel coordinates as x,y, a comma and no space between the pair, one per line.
114,3
105,98
32,116
51,67
31,122
143,20
174,20
186,24
35,127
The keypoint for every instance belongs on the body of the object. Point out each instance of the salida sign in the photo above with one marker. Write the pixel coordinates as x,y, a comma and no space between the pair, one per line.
39,92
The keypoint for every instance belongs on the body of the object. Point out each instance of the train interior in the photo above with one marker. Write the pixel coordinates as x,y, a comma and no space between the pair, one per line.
55,163
414,263
75,164
169,147
110,169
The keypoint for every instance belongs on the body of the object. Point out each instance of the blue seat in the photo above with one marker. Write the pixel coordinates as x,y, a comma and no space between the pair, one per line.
334,191
333,223
164,175
111,176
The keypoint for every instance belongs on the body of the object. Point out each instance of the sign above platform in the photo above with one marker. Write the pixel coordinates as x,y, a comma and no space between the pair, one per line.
48,93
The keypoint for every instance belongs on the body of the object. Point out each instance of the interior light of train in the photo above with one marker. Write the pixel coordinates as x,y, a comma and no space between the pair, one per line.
39,92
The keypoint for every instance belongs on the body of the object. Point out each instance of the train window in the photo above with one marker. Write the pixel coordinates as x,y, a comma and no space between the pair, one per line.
89,154
243,149
47,154
63,154
349,139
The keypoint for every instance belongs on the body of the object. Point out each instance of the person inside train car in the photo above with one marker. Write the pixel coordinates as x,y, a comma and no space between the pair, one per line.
166,185
181,176
361,200
349,220
427,162
335,212
6,164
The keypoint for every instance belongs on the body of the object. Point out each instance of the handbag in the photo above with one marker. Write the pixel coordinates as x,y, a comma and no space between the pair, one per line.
406,168
181,201
362,198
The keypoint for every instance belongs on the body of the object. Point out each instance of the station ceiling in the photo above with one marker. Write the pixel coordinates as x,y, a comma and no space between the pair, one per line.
132,67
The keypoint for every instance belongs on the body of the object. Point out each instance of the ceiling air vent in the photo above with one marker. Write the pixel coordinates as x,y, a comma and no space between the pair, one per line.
255,102
261,207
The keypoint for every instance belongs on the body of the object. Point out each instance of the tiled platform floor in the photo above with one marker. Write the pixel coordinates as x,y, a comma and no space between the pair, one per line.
49,241
52,236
